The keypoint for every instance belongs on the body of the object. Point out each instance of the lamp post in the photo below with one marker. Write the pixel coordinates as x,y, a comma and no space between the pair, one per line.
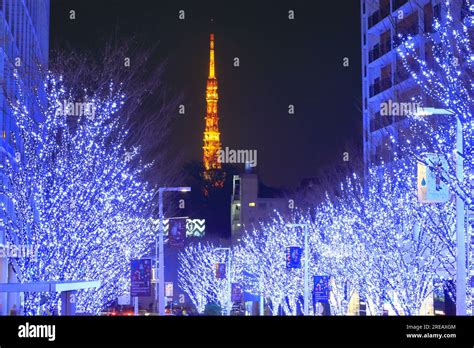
461,271
229,284
159,248
306,264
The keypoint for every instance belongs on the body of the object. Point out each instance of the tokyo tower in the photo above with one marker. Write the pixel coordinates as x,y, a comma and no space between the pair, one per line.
212,144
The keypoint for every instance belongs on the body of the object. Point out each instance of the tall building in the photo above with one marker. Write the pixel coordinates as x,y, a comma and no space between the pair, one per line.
384,23
24,45
384,77
212,144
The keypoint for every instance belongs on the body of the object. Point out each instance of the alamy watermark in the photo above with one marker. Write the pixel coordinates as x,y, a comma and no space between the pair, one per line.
18,251
28,330
392,108
68,108
238,156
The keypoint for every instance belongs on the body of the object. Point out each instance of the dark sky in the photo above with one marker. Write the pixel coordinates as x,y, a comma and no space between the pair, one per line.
282,62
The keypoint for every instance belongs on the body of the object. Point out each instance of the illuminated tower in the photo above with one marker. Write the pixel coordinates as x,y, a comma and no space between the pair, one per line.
212,144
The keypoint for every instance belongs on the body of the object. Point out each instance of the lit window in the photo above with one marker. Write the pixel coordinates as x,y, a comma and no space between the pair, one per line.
252,204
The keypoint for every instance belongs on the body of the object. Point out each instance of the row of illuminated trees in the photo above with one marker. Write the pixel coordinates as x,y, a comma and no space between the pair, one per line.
74,186
373,238
382,245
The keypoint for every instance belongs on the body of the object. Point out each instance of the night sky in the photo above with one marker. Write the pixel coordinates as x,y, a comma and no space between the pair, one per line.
282,62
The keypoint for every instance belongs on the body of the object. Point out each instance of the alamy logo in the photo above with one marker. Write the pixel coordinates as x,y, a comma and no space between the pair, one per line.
37,331
67,108
391,108
18,251
238,156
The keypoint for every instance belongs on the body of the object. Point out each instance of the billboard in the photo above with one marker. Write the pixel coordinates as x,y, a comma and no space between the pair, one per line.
431,175
140,278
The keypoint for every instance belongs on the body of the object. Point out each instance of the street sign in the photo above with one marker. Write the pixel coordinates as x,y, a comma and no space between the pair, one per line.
169,289
431,172
177,232
140,278
220,270
237,293
321,289
194,227
293,257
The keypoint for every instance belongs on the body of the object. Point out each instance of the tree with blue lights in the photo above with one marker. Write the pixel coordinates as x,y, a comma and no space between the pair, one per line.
72,193
445,77
400,254
197,275
335,250
379,243
261,254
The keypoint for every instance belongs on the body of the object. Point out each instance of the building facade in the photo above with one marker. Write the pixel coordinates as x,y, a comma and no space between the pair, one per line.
384,78
384,23
24,46
248,208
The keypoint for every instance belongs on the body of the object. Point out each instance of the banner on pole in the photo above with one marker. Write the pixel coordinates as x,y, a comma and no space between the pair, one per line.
431,172
169,289
140,278
293,257
220,270
237,293
321,288
177,232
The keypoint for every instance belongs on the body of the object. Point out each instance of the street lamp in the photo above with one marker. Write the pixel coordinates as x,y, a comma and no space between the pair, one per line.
229,287
306,263
159,248
461,271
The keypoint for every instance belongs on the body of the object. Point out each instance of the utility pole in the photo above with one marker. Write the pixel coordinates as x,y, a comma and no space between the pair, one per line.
159,248
306,265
